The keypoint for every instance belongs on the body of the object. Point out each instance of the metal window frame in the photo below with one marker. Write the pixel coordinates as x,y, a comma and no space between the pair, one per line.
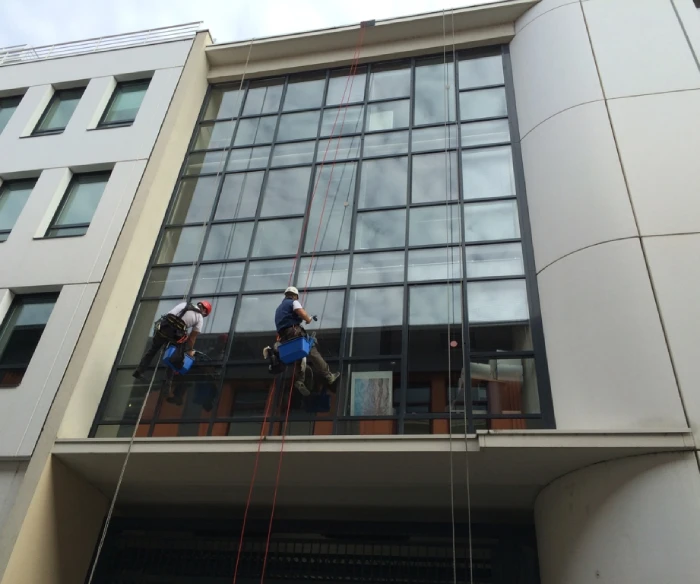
119,87
75,180
57,96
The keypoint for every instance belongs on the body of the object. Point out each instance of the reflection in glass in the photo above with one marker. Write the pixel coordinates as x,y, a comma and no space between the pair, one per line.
263,97
480,72
255,131
433,225
482,133
327,306
338,148
388,115
244,393
212,136
228,241
325,271
342,88
434,264
488,173
180,244
335,192
293,153
304,92
389,81
214,336
248,158
278,237
378,268
426,139
255,325
173,281
204,163
239,195
298,126
374,321
386,143
432,78
126,398
384,182
338,121
497,301
193,200
509,386
504,259
499,337
268,274
484,103
434,178
224,102
436,304
487,221
286,192
140,332
380,229
219,278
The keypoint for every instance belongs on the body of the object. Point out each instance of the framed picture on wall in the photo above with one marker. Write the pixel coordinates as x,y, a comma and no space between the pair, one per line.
371,393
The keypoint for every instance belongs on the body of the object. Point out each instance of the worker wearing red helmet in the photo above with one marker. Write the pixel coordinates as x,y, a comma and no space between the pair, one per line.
181,325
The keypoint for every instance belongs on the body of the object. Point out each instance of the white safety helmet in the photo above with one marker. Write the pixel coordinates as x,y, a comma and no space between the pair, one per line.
291,290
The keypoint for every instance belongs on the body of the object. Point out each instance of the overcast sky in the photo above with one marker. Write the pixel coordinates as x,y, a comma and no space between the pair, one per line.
44,22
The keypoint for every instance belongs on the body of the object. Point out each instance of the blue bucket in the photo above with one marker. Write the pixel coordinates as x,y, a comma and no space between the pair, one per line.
294,350
189,361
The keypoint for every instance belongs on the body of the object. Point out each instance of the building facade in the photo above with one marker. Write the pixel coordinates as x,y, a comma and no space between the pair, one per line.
492,213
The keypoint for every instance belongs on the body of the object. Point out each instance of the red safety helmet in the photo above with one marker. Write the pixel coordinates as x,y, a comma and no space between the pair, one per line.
204,307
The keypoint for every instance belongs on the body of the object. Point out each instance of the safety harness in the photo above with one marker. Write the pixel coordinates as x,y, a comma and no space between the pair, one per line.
171,326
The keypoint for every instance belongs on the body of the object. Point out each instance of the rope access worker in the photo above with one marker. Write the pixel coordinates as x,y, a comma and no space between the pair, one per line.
179,327
288,318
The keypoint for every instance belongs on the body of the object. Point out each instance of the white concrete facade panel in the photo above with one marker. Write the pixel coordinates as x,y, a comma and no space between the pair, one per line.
11,474
553,66
575,188
608,361
625,521
639,47
538,10
663,173
689,17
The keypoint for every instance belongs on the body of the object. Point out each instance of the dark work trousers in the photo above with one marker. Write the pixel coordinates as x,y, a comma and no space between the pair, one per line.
314,359
158,342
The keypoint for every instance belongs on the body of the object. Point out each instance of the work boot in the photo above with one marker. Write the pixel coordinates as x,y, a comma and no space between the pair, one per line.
301,388
137,375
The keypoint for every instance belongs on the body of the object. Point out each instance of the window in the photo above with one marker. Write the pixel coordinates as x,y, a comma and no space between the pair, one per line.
20,334
59,112
125,103
79,205
13,196
8,105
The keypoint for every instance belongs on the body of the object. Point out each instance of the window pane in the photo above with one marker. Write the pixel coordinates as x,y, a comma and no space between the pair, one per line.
81,202
293,153
194,200
389,81
327,306
214,336
480,71
245,392
434,225
13,196
510,386
384,183
338,121
248,158
239,195
491,132
8,105
497,301
286,192
325,271
379,229
485,103
66,231
486,221
386,143
338,148
263,97
331,210
212,136
433,174
494,260
389,115
169,281
126,398
488,173
60,110
432,76
223,103
298,126
255,326
345,89
141,330
255,131
126,102
20,334
205,163
180,244
304,92
434,138
434,264
269,275
375,316
218,278
377,268
435,305
228,242
278,237
500,337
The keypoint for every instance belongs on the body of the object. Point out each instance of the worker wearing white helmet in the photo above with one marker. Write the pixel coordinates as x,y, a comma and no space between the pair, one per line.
288,318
